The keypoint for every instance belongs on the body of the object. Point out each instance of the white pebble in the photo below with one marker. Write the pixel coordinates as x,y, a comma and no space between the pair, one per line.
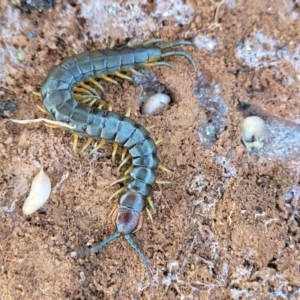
254,130
154,103
39,193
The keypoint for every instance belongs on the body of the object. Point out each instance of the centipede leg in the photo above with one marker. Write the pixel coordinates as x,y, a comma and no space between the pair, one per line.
87,87
150,127
126,159
124,178
42,108
119,191
123,155
82,90
39,94
159,142
98,85
149,215
116,83
123,76
163,168
158,181
88,142
128,170
179,53
150,202
98,146
115,149
76,136
136,73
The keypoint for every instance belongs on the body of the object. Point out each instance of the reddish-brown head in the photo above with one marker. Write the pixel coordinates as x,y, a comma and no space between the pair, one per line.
129,215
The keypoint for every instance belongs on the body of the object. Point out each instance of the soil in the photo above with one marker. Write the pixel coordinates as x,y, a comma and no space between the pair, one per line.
228,227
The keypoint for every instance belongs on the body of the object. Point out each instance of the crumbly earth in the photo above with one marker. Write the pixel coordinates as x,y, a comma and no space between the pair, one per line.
227,228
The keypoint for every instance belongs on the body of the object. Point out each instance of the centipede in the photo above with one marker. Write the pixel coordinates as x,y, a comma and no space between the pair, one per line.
69,98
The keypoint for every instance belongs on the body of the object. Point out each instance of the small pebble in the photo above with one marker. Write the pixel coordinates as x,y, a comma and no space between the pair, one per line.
73,254
39,193
155,103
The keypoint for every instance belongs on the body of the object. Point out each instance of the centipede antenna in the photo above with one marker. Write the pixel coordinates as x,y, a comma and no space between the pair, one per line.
98,247
140,253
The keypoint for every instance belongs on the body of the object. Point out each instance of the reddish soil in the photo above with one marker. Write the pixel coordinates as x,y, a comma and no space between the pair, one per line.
227,228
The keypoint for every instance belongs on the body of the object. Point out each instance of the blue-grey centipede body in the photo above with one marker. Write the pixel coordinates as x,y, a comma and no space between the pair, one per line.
61,105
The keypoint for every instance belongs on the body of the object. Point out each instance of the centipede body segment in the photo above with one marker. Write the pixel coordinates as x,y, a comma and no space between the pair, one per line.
62,104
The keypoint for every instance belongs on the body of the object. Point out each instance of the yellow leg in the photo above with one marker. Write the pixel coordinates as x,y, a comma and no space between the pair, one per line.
93,102
82,90
119,74
150,127
87,87
84,98
136,72
87,100
158,181
163,168
112,44
119,191
109,108
127,112
98,146
126,159
149,199
112,81
76,136
72,52
39,94
88,142
124,154
149,214
42,108
115,149
128,170
120,180
159,142
98,85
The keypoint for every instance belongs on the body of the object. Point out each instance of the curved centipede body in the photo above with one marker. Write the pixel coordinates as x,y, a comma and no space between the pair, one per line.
61,105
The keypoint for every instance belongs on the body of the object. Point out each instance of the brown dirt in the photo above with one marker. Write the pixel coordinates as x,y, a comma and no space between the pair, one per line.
227,228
